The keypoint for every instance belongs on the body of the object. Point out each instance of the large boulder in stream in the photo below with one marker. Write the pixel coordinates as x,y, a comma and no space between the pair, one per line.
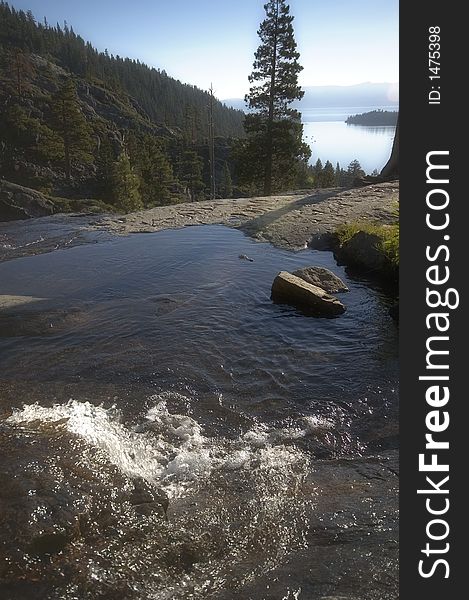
322,278
290,289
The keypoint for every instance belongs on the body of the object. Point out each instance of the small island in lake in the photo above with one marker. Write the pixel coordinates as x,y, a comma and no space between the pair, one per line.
374,117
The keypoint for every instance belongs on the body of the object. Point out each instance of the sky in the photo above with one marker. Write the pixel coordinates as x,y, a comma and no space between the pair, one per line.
341,42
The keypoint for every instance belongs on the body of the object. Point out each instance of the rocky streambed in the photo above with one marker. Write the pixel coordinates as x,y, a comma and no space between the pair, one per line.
288,221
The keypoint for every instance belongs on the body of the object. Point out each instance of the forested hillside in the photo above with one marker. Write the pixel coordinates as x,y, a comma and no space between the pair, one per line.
378,118
75,122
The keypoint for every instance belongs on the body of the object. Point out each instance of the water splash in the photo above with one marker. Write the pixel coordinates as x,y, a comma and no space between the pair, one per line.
169,449
237,506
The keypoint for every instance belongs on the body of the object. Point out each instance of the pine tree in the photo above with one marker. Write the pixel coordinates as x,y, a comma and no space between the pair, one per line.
105,170
72,127
126,185
328,175
156,174
338,175
274,129
25,136
190,167
226,184
317,170
354,171
21,71
305,177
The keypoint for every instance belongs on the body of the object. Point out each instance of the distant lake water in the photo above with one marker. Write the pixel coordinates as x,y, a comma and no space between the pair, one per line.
332,139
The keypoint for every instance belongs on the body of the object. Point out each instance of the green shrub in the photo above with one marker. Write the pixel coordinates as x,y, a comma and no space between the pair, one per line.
388,237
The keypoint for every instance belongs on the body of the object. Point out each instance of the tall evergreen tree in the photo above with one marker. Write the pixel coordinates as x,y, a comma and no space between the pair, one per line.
105,170
317,170
189,170
24,136
338,174
226,183
126,185
21,70
354,171
328,175
156,174
72,127
274,129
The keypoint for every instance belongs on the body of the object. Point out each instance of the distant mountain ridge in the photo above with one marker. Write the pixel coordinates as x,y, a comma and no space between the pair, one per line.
362,94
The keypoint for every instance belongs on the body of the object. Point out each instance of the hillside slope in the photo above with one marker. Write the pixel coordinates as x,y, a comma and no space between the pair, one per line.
77,123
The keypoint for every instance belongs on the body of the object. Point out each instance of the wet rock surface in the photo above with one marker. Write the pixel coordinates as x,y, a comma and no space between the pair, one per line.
81,527
148,499
59,509
323,278
9,301
46,234
287,221
290,289
74,525
351,555
18,202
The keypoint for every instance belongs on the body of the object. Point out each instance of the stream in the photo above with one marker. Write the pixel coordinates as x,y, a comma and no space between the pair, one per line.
167,432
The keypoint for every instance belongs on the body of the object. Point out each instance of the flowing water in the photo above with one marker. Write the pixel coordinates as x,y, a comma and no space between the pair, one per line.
169,432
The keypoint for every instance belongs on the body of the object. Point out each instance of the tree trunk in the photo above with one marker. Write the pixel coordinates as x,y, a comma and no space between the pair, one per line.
270,120
268,161
391,168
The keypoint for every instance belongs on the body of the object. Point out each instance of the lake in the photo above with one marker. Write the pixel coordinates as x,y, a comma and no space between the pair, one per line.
332,139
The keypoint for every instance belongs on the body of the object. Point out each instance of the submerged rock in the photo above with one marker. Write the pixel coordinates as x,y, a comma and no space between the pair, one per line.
148,499
22,320
165,304
49,543
322,278
290,289
7,301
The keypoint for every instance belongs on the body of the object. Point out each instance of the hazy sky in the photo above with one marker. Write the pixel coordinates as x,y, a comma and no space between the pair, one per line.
342,42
